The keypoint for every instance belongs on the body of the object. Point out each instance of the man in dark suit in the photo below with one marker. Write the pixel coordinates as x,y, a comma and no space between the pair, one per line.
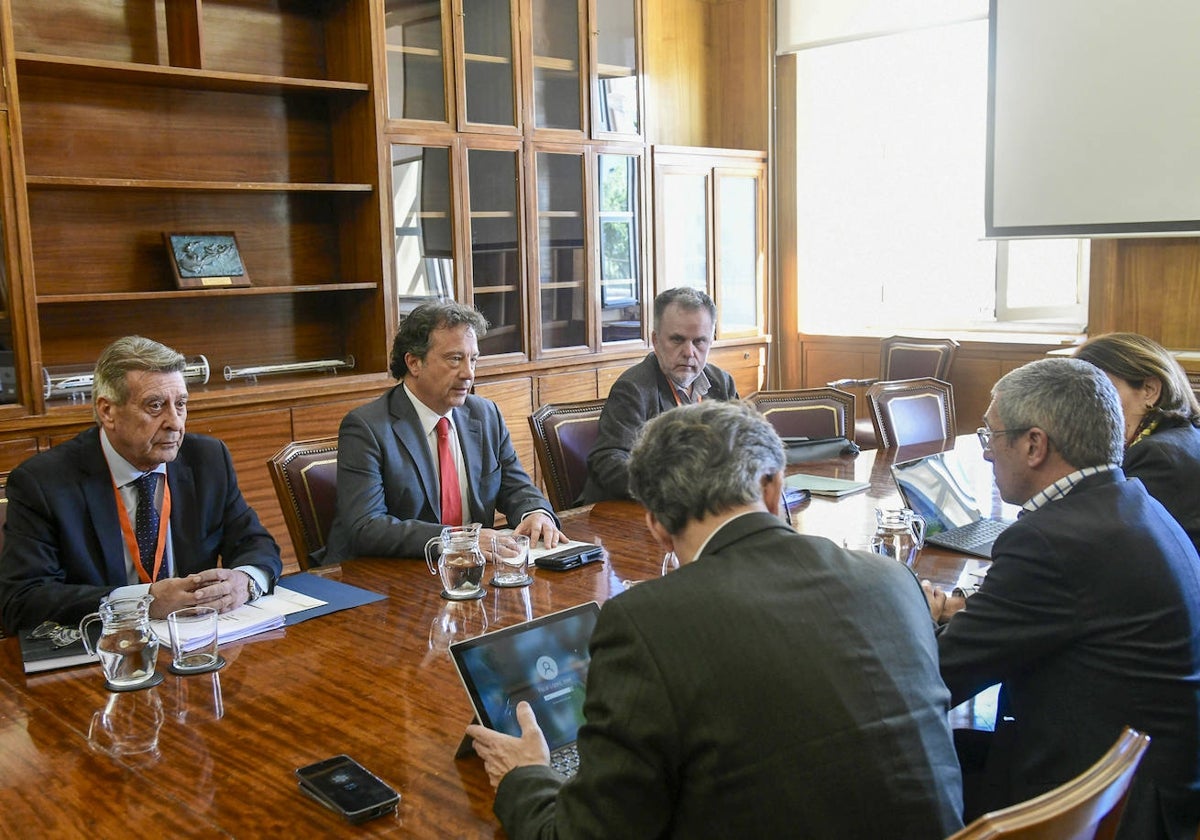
79,527
1090,612
776,685
392,495
675,373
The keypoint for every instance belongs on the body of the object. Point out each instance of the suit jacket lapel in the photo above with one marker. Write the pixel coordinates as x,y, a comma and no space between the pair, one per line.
470,439
102,509
407,428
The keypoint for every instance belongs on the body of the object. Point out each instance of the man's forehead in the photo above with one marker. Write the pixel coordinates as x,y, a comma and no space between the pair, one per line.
146,383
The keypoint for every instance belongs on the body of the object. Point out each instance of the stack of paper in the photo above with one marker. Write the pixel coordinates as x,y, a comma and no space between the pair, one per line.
267,613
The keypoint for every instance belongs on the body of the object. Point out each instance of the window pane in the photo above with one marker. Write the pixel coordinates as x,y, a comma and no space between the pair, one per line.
617,70
421,211
891,182
414,60
562,267
685,230
738,247
487,56
620,260
495,248
556,65
1041,272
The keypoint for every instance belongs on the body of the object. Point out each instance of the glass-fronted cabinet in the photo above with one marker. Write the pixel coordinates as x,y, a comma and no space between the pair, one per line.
682,212
619,228
10,392
424,224
488,93
739,250
710,234
561,264
617,69
497,257
417,43
556,51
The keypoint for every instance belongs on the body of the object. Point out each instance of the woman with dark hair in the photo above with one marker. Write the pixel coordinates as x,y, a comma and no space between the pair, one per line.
1162,420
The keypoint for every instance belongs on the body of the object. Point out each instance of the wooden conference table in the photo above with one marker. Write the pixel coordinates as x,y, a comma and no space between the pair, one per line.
214,754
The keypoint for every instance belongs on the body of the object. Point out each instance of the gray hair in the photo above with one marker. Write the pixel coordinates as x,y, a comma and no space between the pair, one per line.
685,298
133,352
415,330
703,459
1072,401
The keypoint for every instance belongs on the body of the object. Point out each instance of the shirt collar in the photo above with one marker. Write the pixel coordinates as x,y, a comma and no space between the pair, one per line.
1063,486
713,533
427,417
122,471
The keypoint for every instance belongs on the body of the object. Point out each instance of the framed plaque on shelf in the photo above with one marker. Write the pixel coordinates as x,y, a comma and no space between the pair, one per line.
206,260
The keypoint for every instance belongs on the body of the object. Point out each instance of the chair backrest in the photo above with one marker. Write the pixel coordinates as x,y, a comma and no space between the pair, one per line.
911,411
3,515
901,357
305,476
808,412
1086,808
563,435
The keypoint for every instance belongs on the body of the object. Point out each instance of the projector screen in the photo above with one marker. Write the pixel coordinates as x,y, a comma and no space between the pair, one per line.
1093,118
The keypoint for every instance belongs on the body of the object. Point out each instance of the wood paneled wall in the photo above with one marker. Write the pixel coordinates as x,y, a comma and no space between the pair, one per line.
977,366
707,75
1149,286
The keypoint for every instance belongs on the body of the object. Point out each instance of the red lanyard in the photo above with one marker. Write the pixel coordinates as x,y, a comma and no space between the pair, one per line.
131,540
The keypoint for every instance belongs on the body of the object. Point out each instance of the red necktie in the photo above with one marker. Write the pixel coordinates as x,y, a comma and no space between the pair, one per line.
451,495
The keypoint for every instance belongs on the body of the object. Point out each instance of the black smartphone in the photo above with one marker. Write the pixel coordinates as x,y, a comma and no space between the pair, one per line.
570,558
343,785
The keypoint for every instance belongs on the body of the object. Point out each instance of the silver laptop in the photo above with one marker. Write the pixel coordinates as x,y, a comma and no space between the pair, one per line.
543,661
941,490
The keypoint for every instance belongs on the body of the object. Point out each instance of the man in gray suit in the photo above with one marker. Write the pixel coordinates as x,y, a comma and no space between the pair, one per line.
776,685
393,492
675,373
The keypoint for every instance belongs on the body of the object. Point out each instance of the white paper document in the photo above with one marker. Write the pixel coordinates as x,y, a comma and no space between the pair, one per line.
267,613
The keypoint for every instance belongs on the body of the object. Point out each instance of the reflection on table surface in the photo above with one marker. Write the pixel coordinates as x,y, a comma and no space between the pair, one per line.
215,753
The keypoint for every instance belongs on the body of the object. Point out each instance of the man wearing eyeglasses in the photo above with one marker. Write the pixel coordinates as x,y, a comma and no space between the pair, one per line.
1089,615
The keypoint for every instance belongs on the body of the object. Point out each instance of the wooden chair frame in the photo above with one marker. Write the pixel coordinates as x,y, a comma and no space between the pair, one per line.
774,404
881,395
301,508
1088,806
562,472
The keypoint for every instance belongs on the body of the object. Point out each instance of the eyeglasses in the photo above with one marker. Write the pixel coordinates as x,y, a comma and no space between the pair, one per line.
985,434
58,634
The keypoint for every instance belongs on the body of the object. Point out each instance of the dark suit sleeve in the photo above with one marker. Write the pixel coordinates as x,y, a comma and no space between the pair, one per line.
244,540
626,751
34,583
1022,613
625,412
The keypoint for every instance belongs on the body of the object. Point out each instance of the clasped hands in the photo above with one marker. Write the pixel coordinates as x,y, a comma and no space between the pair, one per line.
221,589
942,604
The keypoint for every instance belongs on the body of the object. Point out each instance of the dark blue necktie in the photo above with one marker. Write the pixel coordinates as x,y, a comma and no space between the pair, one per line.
146,528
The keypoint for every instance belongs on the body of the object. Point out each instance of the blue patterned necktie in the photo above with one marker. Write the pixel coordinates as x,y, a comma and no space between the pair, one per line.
146,528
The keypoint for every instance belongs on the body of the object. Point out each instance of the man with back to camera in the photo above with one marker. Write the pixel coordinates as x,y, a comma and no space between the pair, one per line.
391,497
1089,614
81,515
776,685
675,373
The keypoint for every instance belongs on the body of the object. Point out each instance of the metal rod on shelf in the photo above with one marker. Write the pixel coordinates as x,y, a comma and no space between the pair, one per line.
317,366
75,382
